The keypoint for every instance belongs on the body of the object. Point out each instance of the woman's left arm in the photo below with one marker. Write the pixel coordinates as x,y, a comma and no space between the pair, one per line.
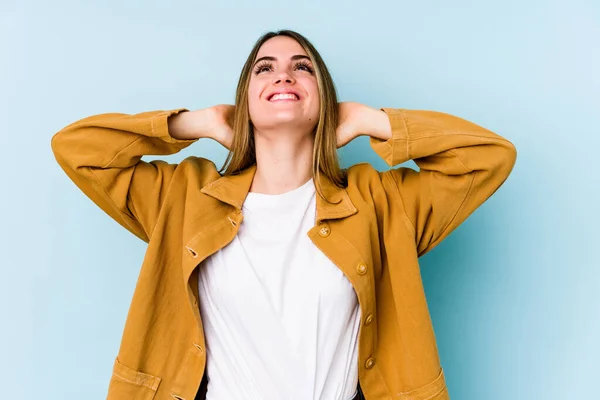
461,164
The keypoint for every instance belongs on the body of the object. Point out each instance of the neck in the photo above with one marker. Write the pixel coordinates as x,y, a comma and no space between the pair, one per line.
283,161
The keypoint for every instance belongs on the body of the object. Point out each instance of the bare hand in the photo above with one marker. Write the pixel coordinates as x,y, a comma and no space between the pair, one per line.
214,122
356,119
219,121
350,113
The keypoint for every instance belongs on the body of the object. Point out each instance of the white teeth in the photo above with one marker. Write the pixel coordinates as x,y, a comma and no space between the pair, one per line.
281,96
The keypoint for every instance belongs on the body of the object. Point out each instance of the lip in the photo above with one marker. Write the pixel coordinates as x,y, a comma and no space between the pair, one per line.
283,91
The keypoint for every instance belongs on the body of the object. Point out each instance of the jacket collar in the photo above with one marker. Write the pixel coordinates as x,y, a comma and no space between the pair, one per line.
233,189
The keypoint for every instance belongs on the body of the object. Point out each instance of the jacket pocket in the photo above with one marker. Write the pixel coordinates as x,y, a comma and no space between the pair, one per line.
435,390
129,384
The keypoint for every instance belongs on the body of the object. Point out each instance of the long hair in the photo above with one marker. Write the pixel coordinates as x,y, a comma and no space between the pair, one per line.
325,159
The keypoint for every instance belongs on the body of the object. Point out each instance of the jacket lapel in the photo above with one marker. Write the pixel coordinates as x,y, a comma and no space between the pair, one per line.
231,189
339,204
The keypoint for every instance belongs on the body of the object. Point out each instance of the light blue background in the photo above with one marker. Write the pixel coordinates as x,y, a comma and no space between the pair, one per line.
512,291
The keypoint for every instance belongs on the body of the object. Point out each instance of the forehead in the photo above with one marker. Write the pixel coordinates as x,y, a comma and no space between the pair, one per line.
280,47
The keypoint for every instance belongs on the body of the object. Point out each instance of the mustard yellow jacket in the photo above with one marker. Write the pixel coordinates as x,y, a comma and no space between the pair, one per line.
382,223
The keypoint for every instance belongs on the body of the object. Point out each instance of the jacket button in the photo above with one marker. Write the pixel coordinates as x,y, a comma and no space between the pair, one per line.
324,231
369,319
361,268
370,363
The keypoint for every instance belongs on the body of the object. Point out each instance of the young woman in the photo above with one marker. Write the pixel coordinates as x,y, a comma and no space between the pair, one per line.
282,276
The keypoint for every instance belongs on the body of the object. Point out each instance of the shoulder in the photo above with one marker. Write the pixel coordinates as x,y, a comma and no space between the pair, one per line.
364,181
197,169
362,173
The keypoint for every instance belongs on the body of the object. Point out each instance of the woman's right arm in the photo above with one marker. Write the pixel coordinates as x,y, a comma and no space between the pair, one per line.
102,156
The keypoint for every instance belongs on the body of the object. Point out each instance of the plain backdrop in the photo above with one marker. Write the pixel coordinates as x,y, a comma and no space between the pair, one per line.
512,292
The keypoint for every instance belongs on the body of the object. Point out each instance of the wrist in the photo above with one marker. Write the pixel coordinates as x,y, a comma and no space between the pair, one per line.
187,125
381,127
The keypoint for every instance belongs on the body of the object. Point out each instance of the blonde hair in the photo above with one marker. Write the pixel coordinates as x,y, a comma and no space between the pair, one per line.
325,159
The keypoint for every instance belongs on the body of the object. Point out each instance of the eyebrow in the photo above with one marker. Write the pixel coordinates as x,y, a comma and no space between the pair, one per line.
293,58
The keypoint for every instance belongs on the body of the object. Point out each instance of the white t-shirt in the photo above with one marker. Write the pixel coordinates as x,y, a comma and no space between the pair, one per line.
280,319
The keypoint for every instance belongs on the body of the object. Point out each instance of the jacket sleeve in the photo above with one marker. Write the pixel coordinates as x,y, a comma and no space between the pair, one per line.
102,156
461,165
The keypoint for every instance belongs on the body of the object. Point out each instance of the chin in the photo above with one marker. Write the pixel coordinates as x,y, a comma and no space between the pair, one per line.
281,118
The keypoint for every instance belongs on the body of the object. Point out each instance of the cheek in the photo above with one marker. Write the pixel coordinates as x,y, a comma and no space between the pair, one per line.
313,89
253,98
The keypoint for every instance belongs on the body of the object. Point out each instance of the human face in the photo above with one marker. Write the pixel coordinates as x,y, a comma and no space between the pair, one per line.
285,68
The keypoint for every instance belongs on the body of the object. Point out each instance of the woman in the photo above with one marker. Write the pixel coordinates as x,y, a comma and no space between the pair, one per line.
283,276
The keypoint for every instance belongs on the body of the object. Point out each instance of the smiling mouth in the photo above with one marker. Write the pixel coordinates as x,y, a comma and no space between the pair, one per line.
283,97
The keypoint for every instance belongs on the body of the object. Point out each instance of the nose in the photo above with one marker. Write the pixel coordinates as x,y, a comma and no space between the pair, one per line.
283,76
